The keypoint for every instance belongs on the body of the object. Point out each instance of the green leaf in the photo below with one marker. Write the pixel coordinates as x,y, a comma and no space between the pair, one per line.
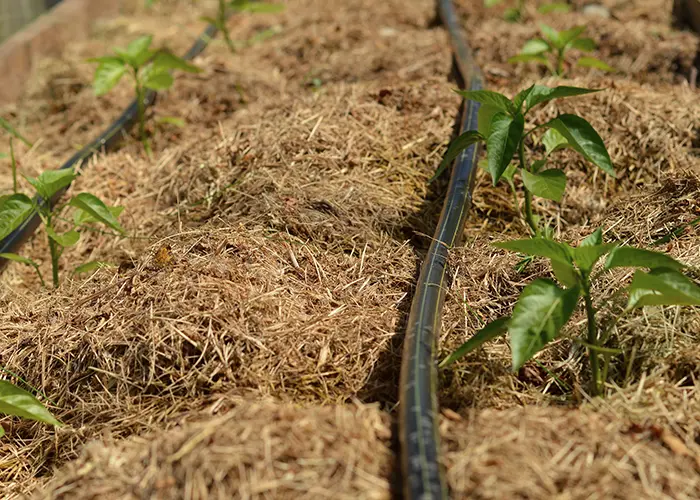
81,217
18,258
512,15
540,247
586,256
492,3
568,36
97,209
540,94
108,74
88,267
261,8
553,141
19,403
519,99
583,138
166,61
565,273
488,97
592,62
524,58
537,165
662,286
553,7
137,53
549,184
494,329
13,212
584,44
157,79
539,315
504,137
484,118
13,132
534,47
550,34
456,147
593,239
171,120
638,257
51,182
509,173
67,239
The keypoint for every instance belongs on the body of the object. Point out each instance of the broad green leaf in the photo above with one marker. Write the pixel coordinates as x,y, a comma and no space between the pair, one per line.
565,273
484,118
19,403
488,97
662,286
88,267
261,7
584,44
540,94
166,61
18,258
537,165
13,132
568,36
97,209
539,315
639,257
534,47
550,34
523,58
509,173
549,184
494,329
540,247
593,239
586,256
107,75
592,62
456,147
81,217
137,53
13,212
512,15
520,97
553,141
51,182
553,7
67,239
502,142
156,79
583,138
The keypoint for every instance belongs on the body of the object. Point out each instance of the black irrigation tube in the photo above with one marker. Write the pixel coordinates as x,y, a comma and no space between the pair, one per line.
422,473
107,141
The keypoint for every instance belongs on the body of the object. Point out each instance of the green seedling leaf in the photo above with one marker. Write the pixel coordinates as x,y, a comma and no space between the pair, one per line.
492,3
81,217
51,182
582,137
91,266
540,247
565,273
553,141
554,7
593,239
171,120
13,132
550,34
583,44
524,58
456,147
494,329
137,53
504,137
19,403
539,315
18,258
167,61
485,117
520,97
509,173
537,165
489,97
107,74
157,79
549,184
540,94
534,47
592,62
566,37
512,15
93,205
13,212
638,257
662,286
67,239
586,256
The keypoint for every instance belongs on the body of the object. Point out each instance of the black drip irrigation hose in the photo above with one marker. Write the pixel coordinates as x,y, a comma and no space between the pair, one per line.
420,446
107,141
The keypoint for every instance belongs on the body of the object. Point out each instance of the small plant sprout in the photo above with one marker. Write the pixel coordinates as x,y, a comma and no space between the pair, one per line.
226,6
551,50
17,402
515,14
13,135
544,307
87,210
149,69
501,125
